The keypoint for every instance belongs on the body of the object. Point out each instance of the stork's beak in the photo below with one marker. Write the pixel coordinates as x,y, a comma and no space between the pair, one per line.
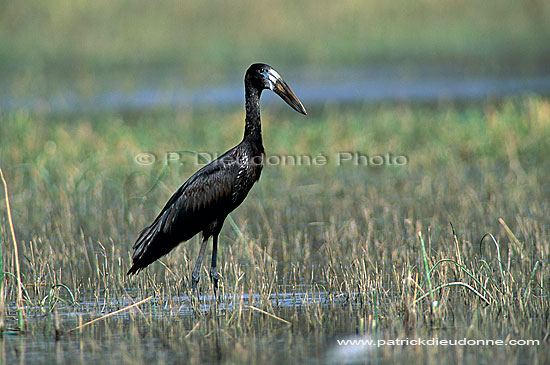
283,90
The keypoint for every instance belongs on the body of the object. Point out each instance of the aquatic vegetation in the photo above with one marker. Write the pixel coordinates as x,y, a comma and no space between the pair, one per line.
451,245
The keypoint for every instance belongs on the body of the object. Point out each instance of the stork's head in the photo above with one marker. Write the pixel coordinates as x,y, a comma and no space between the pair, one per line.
262,76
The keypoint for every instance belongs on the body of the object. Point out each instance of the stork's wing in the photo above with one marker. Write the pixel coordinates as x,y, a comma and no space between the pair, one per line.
204,196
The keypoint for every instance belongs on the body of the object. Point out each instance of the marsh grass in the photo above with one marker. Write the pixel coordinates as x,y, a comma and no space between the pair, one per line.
19,284
315,254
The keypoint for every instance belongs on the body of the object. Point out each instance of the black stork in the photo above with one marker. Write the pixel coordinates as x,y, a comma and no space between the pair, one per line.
203,202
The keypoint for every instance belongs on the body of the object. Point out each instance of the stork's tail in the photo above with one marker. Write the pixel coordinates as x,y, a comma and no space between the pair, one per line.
142,255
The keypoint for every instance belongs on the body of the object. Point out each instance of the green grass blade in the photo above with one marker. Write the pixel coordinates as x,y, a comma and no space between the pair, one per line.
426,268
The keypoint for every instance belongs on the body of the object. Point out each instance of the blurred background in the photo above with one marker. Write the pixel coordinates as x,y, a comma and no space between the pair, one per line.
59,56
459,87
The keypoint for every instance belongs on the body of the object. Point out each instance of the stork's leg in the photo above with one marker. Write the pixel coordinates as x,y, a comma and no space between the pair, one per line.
214,275
196,271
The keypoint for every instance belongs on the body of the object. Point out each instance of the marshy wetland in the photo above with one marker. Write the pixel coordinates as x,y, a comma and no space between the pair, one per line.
314,255
404,223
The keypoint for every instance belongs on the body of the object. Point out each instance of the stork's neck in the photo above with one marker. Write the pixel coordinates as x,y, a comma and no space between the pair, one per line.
253,126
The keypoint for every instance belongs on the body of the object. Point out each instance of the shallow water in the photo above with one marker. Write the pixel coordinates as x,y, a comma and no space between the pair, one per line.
147,330
157,89
174,333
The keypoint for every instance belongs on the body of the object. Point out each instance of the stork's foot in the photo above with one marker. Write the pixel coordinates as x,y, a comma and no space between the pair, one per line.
194,281
214,276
